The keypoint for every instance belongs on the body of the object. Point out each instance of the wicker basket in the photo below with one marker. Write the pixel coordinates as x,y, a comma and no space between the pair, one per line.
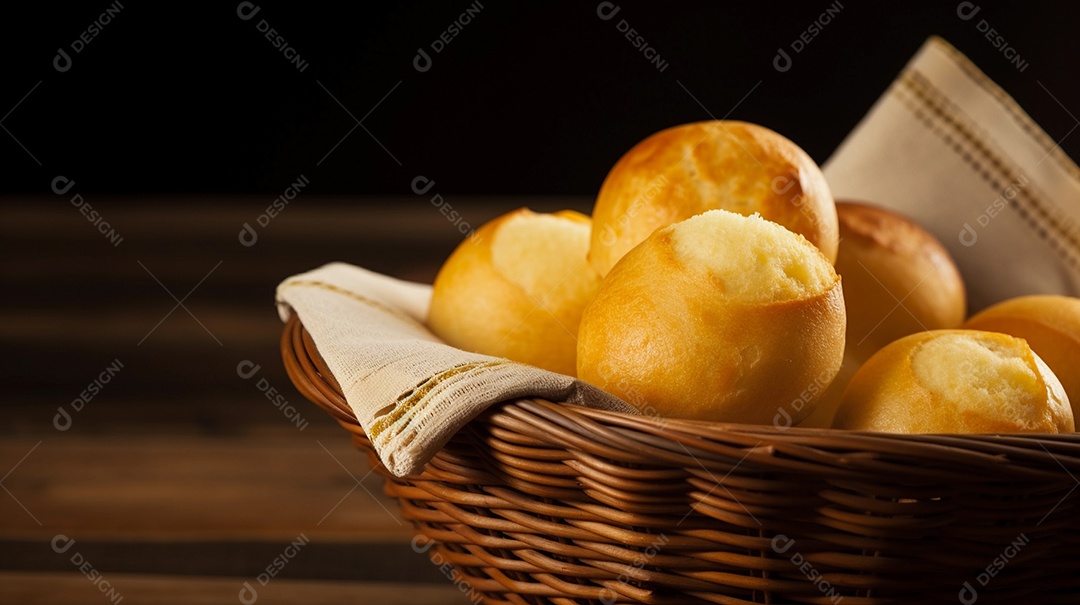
540,502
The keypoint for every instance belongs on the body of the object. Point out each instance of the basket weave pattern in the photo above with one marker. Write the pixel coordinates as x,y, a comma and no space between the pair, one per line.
541,502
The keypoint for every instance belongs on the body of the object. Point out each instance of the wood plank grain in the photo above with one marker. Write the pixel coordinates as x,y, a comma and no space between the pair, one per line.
24,588
162,487
74,302
197,505
315,557
46,241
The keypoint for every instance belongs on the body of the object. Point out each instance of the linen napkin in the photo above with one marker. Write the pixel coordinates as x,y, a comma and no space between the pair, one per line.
949,148
410,391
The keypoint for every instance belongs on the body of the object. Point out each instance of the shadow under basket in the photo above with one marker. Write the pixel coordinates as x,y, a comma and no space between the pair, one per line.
541,502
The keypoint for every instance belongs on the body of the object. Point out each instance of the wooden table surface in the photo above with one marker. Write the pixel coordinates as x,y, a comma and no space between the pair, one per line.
178,481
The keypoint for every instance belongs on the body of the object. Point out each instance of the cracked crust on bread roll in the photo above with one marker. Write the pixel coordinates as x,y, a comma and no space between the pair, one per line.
1051,326
516,288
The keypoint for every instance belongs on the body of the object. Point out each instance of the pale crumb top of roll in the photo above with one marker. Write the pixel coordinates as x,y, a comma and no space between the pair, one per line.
547,237
981,374
750,259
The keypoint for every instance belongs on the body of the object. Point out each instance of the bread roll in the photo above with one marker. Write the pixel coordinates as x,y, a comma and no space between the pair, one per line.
686,170
898,280
516,288
720,317
955,381
1051,326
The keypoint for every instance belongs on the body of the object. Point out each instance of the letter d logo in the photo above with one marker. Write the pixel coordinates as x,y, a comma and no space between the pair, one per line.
421,62
782,62
247,10
62,62
247,368
782,420
62,420
61,185
61,543
248,236
248,595
607,10
781,543
967,10
967,236
422,184
968,595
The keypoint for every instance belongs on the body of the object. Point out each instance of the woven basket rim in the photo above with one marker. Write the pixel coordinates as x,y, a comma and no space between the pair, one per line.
1017,455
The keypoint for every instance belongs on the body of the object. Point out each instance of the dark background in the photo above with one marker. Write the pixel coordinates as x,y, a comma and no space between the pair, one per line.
537,98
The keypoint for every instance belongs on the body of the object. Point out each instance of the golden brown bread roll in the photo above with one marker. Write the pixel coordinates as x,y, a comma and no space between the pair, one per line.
686,170
516,288
719,317
898,280
955,381
1051,326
